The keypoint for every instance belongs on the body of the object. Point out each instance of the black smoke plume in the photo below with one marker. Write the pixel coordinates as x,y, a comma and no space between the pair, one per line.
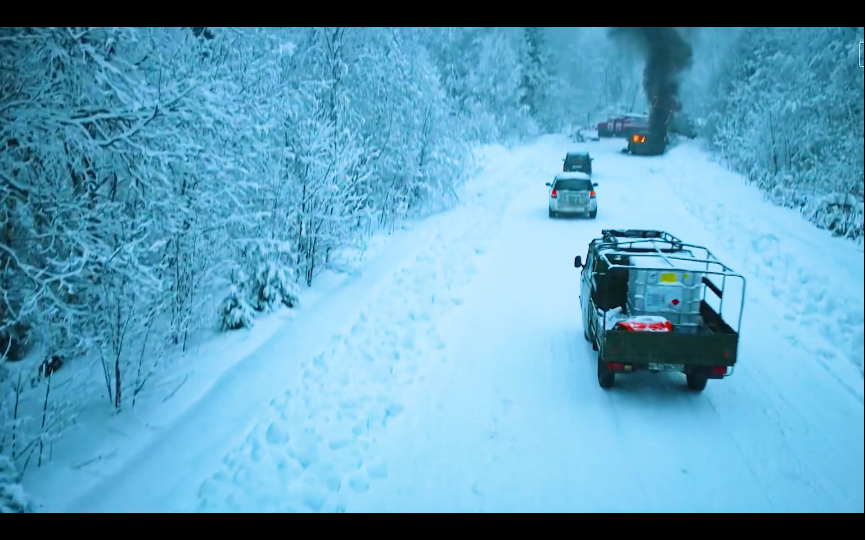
667,53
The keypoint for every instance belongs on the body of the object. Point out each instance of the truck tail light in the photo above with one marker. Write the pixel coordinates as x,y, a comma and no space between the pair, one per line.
721,370
553,194
592,194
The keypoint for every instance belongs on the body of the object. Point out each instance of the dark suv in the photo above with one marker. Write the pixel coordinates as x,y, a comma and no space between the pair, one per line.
577,162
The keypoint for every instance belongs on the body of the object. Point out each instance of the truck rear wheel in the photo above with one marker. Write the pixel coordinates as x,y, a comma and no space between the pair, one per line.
605,376
696,382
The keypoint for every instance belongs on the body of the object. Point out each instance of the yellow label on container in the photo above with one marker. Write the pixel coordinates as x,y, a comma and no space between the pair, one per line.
668,278
685,276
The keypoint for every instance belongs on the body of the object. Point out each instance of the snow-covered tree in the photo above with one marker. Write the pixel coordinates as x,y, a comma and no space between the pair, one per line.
13,499
785,107
535,76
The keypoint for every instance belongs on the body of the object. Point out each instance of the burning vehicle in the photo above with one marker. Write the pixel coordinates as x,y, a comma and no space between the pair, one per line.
667,53
652,139
646,143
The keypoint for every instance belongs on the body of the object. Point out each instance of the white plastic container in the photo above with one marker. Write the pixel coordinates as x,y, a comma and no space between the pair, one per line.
675,294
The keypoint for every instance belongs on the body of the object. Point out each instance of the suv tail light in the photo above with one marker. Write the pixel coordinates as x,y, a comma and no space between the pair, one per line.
592,194
553,194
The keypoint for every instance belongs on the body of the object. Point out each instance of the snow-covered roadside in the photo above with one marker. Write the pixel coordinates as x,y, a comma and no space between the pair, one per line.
263,362
101,443
816,280
311,451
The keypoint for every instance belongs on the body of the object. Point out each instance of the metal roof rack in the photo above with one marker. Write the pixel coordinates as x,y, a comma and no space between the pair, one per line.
641,242
618,246
641,234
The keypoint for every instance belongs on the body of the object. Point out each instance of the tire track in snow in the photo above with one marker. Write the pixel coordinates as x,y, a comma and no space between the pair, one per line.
682,451
797,450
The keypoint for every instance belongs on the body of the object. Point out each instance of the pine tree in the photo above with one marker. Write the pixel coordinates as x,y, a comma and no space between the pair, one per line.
534,79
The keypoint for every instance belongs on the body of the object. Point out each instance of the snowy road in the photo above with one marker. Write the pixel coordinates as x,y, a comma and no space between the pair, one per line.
462,381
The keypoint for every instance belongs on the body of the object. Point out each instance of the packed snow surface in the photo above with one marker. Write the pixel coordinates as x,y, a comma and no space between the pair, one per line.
451,372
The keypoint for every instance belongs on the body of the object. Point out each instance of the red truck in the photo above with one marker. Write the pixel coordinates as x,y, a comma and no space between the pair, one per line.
606,128
623,126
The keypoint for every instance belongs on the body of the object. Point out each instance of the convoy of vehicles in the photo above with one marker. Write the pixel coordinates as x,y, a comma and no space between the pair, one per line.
644,293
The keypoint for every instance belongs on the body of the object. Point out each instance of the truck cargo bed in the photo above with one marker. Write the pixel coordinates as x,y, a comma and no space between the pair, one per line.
713,343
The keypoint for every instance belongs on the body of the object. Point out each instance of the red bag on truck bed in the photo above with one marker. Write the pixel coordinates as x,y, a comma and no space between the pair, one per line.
646,324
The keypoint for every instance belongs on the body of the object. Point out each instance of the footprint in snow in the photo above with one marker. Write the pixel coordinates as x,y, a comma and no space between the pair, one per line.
319,361
275,436
358,483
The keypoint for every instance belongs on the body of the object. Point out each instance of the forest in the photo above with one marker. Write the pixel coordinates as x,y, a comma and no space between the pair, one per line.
161,183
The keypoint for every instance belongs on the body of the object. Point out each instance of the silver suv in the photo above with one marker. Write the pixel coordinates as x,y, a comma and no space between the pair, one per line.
572,193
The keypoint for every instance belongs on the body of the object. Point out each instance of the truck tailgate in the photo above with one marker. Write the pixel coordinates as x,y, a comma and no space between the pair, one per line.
706,350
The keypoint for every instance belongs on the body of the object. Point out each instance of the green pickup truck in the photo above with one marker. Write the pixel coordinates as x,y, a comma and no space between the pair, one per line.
643,296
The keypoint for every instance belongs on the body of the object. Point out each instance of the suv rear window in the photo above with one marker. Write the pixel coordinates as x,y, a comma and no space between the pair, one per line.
574,159
573,185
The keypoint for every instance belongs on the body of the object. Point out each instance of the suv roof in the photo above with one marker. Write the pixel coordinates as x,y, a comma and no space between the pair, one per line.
577,154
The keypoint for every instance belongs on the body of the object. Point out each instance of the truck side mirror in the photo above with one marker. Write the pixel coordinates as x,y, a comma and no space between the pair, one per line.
547,184
577,262
595,184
